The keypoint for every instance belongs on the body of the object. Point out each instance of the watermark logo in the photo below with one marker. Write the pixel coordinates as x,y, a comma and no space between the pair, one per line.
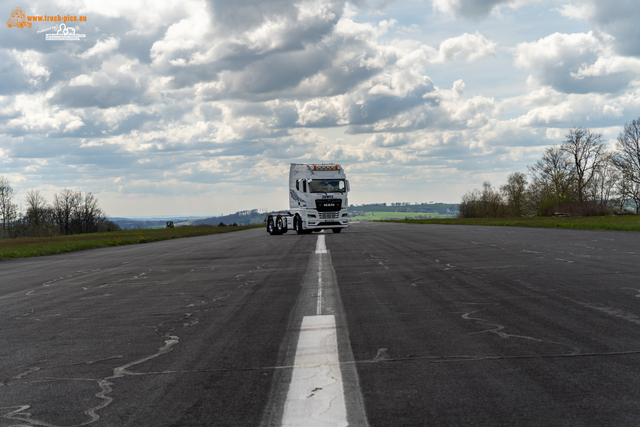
18,19
64,33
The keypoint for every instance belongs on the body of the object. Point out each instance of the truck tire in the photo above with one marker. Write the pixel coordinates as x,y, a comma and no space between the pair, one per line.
281,225
271,228
297,224
336,230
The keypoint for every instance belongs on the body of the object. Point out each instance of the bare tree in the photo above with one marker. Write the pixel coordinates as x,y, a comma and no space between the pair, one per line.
634,195
8,209
627,156
514,192
602,189
64,209
88,214
37,218
587,155
36,206
70,212
628,190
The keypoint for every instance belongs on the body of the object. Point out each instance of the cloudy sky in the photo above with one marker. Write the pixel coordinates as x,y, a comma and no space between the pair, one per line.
199,107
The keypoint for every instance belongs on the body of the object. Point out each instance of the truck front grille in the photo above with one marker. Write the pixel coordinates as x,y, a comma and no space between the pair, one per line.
329,215
328,205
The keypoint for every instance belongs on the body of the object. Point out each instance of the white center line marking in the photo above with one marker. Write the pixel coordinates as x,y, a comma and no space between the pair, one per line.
321,248
316,395
316,392
319,306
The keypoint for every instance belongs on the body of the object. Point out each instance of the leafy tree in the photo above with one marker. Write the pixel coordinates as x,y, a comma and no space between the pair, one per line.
470,205
514,192
492,201
485,203
552,181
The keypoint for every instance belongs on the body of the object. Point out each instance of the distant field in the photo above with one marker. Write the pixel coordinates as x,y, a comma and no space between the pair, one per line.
376,216
623,223
32,247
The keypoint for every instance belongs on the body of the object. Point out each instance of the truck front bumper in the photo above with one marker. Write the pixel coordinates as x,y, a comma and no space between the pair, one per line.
316,223
322,225
318,220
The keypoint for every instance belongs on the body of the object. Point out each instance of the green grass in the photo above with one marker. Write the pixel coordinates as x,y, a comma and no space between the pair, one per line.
623,223
39,246
377,216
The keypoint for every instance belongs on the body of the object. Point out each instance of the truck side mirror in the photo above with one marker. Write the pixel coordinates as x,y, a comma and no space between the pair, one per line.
304,186
298,185
347,182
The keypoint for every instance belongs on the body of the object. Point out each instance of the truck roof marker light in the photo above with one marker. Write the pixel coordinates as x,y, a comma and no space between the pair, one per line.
326,168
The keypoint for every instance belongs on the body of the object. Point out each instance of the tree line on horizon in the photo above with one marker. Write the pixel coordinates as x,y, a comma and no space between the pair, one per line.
70,212
578,177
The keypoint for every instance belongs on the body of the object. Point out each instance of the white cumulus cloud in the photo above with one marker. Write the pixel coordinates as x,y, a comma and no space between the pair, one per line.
470,47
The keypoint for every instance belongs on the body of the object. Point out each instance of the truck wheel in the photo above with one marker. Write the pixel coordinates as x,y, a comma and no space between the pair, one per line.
297,224
271,229
281,225
336,230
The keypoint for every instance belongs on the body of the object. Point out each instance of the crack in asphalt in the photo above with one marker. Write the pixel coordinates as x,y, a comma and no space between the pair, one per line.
18,413
498,330
612,311
408,358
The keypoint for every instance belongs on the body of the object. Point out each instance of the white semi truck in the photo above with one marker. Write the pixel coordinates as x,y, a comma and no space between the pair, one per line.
317,200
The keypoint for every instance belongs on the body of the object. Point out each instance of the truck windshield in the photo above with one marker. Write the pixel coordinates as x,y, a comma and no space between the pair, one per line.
327,186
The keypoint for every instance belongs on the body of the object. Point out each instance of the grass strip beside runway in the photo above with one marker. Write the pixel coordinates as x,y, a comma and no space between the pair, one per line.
39,246
621,223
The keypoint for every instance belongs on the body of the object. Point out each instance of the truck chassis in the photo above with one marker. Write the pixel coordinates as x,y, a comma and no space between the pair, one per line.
281,222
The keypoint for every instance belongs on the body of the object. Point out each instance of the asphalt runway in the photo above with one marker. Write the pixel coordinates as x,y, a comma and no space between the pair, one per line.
435,325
